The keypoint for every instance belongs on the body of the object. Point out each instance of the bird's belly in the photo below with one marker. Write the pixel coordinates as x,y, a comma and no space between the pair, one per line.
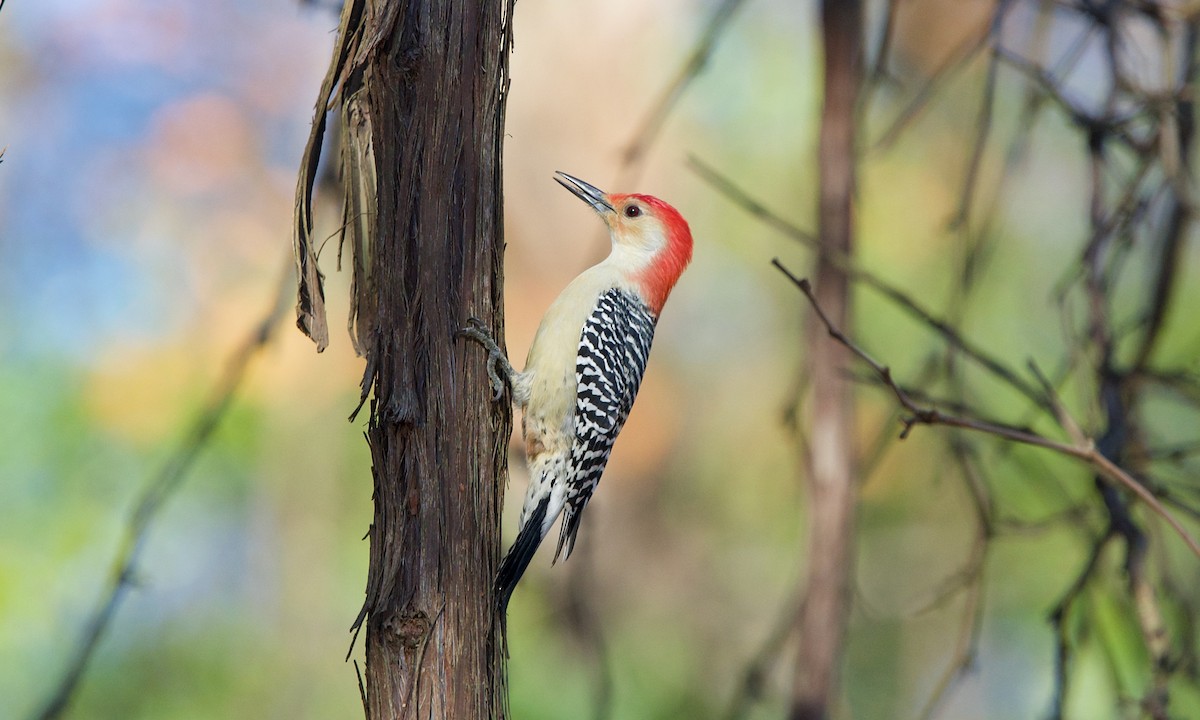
549,421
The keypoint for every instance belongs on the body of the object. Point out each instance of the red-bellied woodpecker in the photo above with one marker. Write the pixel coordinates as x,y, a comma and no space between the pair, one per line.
585,366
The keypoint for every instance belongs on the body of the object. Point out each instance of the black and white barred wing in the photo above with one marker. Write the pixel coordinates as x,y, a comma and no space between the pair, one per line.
613,349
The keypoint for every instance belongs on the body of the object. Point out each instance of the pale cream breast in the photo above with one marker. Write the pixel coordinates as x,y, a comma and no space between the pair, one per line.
548,381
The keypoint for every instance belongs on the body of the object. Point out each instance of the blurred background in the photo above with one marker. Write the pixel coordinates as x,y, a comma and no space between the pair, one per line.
146,197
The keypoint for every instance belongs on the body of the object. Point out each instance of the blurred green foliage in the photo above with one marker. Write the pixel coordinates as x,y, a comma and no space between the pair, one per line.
693,548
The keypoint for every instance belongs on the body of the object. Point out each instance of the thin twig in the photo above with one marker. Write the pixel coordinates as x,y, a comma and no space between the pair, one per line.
919,415
883,46
1058,617
857,273
589,626
1060,411
984,122
1180,214
750,687
878,73
1173,453
158,491
1073,514
1051,88
915,393
956,60
971,577
652,123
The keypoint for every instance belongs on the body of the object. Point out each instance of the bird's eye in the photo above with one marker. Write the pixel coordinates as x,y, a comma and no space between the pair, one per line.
633,211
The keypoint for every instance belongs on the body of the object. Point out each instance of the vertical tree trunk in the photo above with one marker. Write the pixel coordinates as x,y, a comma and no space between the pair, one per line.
438,445
421,86
831,474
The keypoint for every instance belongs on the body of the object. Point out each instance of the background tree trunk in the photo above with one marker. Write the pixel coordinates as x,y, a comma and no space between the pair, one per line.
422,90
831,472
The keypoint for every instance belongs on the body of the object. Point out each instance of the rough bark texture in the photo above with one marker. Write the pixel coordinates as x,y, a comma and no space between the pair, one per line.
831,474
438,445
421,88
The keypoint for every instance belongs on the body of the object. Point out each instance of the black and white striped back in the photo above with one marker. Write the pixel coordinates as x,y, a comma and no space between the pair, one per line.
613,349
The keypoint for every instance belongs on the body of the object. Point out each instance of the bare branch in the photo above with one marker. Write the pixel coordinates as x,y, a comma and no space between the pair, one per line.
157,492
1064,418
1051,87
919,415
1180,214
883,46
722,184
955,62
750,687
984,122
587,625
1173,453
971,577
1058,618
856,273
652,123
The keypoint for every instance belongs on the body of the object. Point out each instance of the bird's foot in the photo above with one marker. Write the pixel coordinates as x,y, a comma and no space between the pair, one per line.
497,363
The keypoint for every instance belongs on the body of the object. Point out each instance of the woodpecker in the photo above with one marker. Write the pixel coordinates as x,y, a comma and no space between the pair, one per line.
585,366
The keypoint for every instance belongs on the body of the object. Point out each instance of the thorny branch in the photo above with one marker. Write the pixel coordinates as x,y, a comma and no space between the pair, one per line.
155,494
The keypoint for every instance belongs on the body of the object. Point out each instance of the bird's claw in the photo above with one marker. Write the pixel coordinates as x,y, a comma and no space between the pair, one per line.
494,376
478,331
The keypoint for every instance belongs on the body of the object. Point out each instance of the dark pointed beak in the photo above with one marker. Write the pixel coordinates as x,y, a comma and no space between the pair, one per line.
590,194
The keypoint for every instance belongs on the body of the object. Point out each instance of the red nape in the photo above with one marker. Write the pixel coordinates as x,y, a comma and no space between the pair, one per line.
658,279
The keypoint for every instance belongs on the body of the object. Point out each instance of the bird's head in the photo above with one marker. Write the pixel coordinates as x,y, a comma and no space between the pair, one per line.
649,236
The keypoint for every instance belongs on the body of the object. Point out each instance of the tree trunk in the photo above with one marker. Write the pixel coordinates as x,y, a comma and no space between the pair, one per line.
422,87
831,473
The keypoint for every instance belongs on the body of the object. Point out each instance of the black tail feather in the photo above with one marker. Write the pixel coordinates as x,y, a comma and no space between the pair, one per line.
519,556
572,514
